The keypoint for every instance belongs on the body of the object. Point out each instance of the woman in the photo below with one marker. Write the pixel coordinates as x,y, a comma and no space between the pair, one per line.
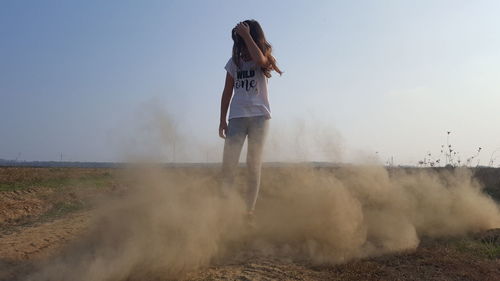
247,73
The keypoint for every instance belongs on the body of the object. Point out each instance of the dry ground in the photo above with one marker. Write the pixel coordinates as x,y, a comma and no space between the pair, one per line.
42,210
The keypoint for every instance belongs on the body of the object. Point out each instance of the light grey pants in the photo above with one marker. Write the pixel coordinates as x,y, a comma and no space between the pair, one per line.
256,129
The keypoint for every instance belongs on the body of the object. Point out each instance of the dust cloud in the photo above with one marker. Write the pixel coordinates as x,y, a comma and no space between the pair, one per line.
175,220
304,140
335,215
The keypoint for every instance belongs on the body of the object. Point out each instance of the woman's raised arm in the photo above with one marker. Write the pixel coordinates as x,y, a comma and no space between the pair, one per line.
243,30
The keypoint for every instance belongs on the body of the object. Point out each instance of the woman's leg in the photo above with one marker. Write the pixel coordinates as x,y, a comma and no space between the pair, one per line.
235,137
257,132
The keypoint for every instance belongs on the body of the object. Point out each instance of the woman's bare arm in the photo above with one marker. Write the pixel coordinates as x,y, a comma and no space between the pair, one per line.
227,93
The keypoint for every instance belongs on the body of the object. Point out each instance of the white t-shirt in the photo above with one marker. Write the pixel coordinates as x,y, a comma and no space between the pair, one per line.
250,90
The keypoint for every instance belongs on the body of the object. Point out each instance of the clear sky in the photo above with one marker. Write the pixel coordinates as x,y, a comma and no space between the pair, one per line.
95,80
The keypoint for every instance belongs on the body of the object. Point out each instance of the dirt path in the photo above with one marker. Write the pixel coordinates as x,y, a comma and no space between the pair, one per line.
38,223
258,268
19,250
30,244
41,240
423,264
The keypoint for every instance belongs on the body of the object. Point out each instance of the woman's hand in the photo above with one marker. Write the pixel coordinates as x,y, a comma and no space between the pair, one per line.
223,129
242,29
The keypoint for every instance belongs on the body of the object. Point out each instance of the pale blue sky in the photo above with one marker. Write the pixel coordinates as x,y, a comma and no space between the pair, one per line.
82,77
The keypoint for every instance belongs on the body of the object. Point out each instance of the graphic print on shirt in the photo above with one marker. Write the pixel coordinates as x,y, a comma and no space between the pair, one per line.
246,80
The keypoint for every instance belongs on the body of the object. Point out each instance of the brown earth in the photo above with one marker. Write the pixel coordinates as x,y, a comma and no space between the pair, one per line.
31,232
431,261
19,204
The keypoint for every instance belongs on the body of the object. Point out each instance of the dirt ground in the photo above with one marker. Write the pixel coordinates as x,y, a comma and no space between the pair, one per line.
39,218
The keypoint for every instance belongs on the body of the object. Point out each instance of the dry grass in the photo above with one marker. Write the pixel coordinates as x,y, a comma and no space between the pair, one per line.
17,178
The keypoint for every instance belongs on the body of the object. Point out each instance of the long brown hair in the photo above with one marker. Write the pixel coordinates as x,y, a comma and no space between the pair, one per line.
258,36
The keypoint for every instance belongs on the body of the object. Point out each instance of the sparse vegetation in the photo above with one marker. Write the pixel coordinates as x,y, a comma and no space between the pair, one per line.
489,249
452,158
62,208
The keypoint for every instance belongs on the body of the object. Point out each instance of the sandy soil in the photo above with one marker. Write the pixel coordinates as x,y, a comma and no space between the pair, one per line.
27,241
29,245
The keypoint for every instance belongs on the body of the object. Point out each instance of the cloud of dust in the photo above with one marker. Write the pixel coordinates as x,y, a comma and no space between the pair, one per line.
168,223
150,135
334,215
175,220
303,140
